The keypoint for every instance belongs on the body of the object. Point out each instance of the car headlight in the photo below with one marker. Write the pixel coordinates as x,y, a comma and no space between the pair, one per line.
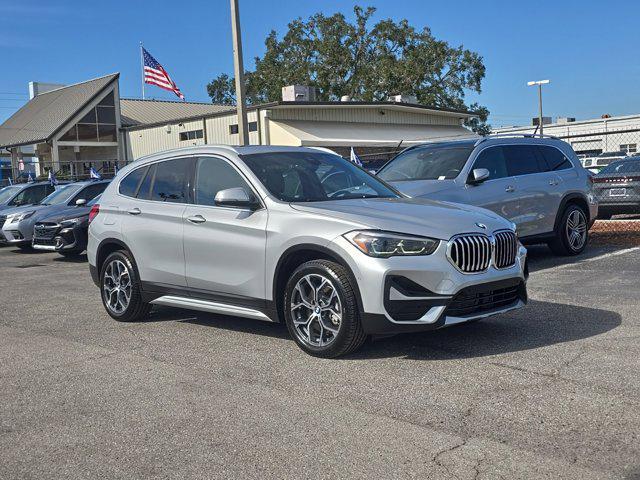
70,222
389,244
22,216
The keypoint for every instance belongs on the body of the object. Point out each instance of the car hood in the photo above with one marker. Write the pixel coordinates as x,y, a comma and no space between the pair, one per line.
416,216
23,208
64,214
422,188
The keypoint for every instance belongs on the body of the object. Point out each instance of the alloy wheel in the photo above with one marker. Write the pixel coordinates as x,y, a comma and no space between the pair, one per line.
316,310
116,287
576,229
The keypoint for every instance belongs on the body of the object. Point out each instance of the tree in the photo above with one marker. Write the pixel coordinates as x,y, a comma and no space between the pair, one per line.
365,63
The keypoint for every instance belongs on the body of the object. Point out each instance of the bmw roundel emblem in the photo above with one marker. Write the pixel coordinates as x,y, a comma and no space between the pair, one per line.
481,225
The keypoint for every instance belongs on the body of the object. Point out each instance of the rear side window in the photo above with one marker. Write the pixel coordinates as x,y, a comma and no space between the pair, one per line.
493,159
145,187
523,160
129,185
171,183
30,195
214,174
554,158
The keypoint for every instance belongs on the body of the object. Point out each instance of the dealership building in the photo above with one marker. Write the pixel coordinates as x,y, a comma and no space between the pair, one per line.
72,128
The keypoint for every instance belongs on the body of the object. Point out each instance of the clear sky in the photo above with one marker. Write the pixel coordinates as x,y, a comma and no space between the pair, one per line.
589,49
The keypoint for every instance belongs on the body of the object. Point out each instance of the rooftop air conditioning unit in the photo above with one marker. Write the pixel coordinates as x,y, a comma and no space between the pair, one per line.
298,93
403,98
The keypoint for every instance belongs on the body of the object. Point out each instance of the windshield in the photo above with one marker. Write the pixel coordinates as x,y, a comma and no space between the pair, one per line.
632,166
313,177
62,194
427,163
7,193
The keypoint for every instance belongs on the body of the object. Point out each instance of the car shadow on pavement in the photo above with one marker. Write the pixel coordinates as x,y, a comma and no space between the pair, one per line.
237,324
28,251
539,324
540,257
71,259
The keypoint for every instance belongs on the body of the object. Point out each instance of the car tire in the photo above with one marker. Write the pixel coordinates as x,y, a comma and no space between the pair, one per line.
70,253
326,322
120,288
572,234
25,247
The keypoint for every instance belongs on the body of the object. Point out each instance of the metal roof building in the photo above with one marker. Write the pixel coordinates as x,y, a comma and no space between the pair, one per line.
71,128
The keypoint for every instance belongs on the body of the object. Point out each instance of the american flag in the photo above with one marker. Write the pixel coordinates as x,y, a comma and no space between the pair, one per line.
155,74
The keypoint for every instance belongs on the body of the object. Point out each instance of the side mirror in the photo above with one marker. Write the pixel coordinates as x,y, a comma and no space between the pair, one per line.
236,197
478,175
80,202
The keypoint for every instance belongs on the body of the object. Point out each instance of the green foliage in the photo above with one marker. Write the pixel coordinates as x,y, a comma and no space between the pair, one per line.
366,63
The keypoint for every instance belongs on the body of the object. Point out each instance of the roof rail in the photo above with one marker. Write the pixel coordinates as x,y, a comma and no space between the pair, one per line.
513,135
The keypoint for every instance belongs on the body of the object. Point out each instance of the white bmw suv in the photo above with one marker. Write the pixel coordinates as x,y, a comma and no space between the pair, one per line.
300,236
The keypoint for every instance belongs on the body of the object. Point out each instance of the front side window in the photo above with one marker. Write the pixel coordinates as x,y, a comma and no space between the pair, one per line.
171,182
427,163
30,195
297,177
214,174
90,192
523,160
493,159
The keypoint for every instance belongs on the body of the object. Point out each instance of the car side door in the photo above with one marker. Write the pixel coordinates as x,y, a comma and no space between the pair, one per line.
152,222
539,189
224,246
499,192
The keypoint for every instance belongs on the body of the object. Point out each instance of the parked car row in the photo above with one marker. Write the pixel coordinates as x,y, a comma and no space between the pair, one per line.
29,218
305,237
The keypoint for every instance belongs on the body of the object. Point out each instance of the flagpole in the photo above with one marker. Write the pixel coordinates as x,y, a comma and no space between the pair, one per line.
142,68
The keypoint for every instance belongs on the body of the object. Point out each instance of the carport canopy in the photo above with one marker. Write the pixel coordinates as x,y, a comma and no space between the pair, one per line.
313,133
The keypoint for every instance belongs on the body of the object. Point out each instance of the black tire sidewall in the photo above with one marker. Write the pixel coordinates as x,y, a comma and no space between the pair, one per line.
563,230
349,309
135,284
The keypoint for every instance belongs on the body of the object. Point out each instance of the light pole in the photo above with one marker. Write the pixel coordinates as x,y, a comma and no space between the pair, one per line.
539,83
238,66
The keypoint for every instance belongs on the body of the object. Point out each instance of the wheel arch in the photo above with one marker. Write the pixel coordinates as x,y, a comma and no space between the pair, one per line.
571,199
106,247
295,256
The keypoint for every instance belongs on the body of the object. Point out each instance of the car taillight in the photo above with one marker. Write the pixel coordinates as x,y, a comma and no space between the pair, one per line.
94,212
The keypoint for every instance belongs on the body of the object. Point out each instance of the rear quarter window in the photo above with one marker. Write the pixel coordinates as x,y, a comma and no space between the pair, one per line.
129,184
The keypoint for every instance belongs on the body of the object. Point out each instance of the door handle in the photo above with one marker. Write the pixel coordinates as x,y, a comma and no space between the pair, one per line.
510,189
135,211
197,219
553,183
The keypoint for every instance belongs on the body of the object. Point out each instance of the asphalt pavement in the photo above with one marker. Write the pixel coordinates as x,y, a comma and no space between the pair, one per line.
549,391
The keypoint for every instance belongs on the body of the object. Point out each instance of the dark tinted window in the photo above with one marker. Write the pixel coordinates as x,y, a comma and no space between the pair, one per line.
213,175
523,160
145,187
89,192
31,195
493,159
554,158
628,166
427,163
129,184
171,183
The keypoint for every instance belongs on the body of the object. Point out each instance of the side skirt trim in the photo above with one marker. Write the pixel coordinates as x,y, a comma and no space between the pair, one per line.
211,307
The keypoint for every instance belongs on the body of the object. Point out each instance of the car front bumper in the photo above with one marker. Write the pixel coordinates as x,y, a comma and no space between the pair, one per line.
403,294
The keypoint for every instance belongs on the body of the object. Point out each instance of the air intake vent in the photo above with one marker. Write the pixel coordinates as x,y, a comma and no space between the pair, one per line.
506,249
470,253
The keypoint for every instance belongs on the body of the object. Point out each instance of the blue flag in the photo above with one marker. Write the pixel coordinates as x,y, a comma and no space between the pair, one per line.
115,169
10,182
30,178
52,178
94,174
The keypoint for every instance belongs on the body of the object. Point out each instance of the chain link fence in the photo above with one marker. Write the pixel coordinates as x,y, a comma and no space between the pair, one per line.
613,158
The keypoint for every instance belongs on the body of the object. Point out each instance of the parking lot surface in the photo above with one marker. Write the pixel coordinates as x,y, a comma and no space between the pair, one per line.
549,391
